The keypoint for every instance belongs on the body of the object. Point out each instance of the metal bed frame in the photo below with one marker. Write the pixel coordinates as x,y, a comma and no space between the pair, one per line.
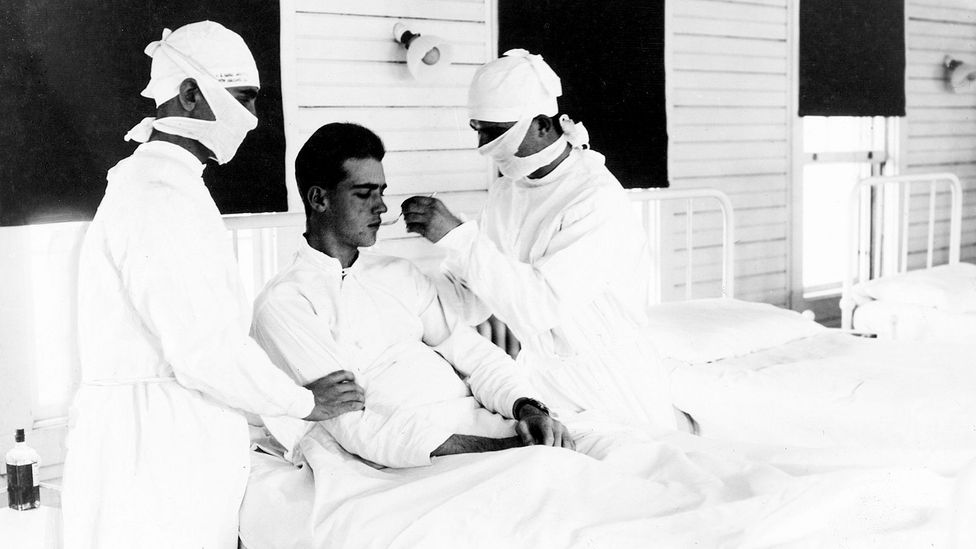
888,210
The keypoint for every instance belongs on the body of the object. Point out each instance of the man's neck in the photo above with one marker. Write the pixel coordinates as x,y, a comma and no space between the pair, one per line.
192,145
547,169
326,243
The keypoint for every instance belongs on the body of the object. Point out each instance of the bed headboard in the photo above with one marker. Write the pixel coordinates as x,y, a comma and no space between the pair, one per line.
879,223
265,243
657,221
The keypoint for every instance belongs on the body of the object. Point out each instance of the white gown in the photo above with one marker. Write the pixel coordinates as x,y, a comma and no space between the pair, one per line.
381,319
563,262
158,449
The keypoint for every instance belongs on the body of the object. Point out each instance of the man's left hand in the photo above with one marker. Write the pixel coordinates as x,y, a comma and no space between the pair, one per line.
428,217
536,427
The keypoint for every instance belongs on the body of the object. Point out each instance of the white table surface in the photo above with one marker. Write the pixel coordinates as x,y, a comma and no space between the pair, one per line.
34,529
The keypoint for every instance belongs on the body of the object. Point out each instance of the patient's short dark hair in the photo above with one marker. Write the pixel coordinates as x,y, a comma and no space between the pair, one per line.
320,161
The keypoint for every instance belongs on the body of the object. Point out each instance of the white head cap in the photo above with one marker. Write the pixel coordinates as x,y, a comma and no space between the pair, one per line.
514,86
216,50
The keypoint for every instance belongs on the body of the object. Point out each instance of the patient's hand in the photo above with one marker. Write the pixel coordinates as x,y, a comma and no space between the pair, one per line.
537,427
428,217
335,394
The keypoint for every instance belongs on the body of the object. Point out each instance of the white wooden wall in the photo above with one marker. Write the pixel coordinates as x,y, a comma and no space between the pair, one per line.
940,125
731,119
729,122
341,64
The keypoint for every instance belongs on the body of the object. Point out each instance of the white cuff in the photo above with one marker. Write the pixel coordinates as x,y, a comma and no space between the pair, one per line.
460,238
303,404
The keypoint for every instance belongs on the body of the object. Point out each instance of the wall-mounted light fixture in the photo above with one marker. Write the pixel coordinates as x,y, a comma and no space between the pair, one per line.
959,76
427,56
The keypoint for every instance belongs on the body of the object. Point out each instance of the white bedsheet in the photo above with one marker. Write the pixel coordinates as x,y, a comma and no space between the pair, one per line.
893,320
836,390
935,305
950,287
684,492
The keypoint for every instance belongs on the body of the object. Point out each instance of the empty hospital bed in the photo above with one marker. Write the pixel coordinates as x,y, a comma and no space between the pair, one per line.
758,373
901,281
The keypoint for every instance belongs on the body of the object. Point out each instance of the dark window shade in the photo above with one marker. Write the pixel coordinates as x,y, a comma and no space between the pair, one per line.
852,58
71,78
610,58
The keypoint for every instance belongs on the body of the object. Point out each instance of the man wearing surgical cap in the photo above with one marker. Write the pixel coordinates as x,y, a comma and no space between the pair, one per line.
558,253
158,447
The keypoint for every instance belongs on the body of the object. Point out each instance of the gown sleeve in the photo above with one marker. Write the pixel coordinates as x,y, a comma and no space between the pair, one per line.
578,264
176,273
301,342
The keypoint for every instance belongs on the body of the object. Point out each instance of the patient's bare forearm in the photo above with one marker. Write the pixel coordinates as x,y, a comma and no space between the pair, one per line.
471,444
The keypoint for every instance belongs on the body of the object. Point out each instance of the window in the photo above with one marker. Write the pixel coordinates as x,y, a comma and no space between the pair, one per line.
837,152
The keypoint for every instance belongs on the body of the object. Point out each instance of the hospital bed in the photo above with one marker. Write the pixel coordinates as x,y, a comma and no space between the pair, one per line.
758,373
747,371
726,388
887,289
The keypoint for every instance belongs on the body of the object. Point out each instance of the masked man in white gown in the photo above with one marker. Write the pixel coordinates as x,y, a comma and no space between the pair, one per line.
558,253
158,447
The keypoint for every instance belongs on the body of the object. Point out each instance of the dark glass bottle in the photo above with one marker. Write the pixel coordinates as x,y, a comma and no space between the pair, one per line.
23,480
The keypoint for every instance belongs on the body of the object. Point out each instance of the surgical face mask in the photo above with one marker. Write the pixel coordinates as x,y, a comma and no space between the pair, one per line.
502,151
222,136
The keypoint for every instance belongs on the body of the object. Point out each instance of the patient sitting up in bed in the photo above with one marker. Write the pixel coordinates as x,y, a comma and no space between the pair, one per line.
432,390
379,318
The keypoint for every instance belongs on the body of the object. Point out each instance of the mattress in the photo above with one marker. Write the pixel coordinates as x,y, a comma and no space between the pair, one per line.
935,304
834,390
894,320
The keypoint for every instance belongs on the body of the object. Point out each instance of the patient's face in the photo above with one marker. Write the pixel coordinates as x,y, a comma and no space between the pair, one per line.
357,203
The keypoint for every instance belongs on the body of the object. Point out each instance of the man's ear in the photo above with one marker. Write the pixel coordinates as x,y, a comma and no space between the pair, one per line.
189,94
545,125
318,199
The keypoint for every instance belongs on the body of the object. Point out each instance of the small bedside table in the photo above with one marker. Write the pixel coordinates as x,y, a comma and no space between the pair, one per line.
35,529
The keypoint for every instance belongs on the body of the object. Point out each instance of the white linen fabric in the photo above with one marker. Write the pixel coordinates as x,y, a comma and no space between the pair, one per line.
835,390
704,330
502,151
226,62
515,86
157,450
623,488
562,261
951,288
894,320
215,49
382,320
679,492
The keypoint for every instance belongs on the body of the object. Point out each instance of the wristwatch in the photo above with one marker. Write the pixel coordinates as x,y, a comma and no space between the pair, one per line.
520,403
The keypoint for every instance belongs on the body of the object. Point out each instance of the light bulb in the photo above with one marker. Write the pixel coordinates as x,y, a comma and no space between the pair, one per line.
432,57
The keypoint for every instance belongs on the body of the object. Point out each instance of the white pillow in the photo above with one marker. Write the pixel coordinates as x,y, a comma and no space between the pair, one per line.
706,330
948,287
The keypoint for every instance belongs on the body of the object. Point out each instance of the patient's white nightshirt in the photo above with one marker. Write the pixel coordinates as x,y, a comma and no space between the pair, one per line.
157,453
563,262
382,320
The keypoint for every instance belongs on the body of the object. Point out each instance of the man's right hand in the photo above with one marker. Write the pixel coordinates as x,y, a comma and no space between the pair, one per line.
335,394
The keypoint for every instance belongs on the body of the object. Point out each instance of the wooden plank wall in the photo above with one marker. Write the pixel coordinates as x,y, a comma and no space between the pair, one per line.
731,119
940,125
340,63
729,125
